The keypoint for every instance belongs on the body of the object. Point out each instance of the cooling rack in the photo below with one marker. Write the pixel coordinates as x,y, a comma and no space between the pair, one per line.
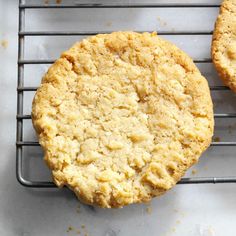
21,89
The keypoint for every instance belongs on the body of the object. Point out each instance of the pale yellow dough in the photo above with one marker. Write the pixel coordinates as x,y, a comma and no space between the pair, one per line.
121,117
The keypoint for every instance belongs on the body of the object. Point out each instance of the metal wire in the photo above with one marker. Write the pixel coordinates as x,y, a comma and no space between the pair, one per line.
89,33
20,94
50,61
20,143
213,88
118,5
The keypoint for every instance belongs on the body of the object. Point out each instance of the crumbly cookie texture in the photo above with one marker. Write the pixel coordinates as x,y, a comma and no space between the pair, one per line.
121,117
224,43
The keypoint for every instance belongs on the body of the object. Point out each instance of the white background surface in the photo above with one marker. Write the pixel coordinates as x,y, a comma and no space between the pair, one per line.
191,210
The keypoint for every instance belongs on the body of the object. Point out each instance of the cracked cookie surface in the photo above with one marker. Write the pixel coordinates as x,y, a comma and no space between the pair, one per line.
224,43
121,117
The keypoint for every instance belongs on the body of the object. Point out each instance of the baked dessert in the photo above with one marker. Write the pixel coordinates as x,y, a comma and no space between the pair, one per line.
121,117
224,43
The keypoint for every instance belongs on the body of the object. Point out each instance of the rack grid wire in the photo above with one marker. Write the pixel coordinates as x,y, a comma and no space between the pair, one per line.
20,143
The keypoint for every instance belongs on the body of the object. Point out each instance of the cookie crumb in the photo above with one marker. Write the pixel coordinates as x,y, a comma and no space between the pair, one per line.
78,231
182,214
46,1
161,22
83,226
58,1
78,209
109,24
4,43
230,129
70,228
149,209
211,231
178,222
216,139
194,172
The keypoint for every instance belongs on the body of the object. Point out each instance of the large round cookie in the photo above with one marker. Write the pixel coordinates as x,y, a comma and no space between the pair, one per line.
224,43
121,117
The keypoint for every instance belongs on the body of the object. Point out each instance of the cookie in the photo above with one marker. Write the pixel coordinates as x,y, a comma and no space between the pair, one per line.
121,117
224,43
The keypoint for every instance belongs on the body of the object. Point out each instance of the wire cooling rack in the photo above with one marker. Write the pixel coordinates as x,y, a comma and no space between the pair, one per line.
21,89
